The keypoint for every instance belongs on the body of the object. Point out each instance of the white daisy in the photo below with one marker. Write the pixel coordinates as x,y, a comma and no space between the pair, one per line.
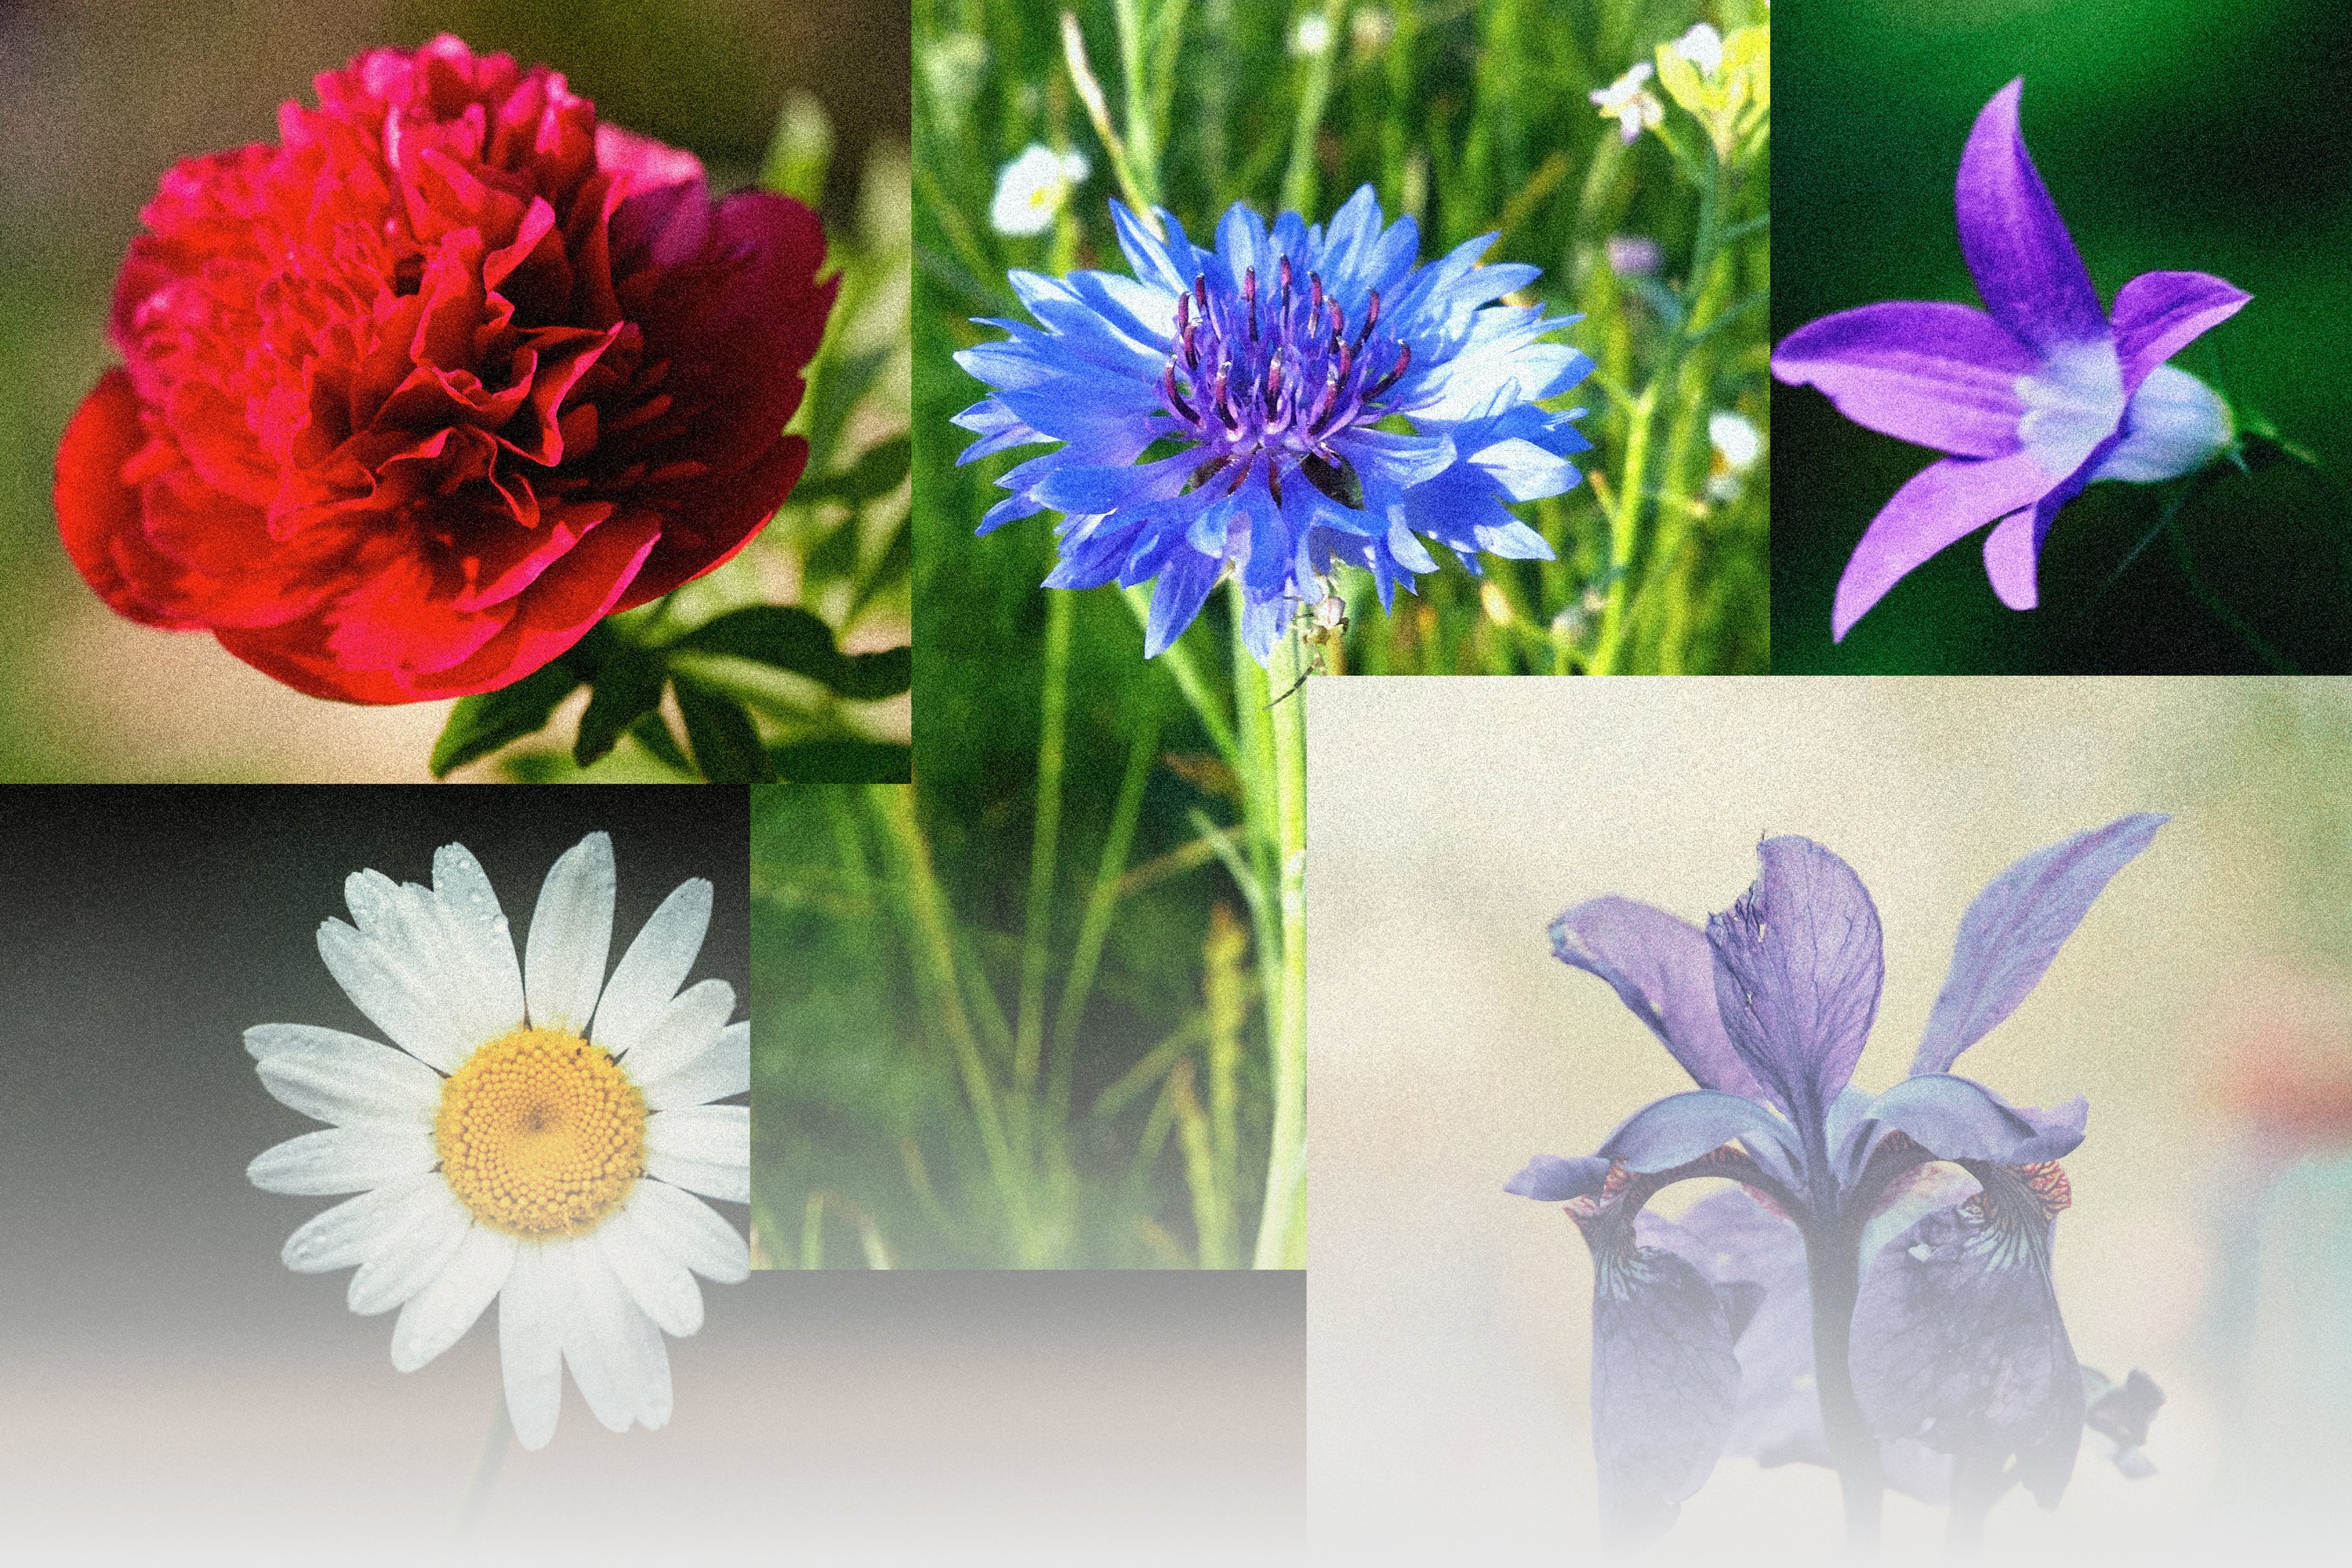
535,1141
1031,189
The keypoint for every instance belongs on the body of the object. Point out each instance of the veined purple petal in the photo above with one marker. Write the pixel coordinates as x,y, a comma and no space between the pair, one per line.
1958,1341
1940,504
1662,969
1937,375
1183,585
1797,974
2014,928
2024,263
1733,1239
1960,1118
2158,314
1664,1385
1681,1128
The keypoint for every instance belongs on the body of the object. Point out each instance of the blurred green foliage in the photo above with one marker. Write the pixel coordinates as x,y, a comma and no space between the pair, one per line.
895,1123
1473,117
2209,135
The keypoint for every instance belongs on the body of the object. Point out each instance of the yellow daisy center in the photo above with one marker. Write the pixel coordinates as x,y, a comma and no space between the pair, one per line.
541,1133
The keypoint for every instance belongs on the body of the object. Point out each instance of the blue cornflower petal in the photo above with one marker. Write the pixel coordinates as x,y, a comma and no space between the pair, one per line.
1270,363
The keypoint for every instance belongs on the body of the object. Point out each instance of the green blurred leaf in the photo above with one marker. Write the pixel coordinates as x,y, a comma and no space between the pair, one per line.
881,470
843,761
652,732
481,724
726,744
792,640
628,686
801,151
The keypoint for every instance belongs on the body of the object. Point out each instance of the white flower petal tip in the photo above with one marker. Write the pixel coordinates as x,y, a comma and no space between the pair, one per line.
571,936
649,974
2175,425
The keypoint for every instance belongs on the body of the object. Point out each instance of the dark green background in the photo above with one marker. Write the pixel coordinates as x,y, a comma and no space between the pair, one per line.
2208,135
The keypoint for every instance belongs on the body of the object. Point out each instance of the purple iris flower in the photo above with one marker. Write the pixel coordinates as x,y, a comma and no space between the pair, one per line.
1875,1295
2043,395
1260,378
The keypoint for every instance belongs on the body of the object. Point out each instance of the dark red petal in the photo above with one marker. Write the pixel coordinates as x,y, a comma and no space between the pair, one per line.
98,514
710,519
555,612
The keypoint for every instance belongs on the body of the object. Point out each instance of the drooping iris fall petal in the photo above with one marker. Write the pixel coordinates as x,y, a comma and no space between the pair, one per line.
414,395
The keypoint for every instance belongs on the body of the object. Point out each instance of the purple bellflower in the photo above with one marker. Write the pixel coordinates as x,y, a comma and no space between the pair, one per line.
1266,372
1875,1295
2042,396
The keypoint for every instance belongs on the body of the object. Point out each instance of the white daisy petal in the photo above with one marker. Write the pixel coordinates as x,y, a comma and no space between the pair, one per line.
482,932
722,1067
653,969
398,997
703,1148
686,1031
531,1346
346,1159
571,933
691,1231
438,1316
330,1076
614,1350
421,1237
657,1280
352,1231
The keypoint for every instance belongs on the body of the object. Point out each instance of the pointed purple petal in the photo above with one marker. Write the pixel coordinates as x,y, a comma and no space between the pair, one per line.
1958,1341
2017,247
1798,969
2013,560
2014,929
1661,969
1940,504
1960,1118
1937,375
1550,1179
2158,314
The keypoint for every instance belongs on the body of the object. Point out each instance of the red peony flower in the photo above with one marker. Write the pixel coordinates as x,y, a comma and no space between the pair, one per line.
415,396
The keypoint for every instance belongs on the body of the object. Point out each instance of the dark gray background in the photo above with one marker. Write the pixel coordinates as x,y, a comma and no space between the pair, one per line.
173,1392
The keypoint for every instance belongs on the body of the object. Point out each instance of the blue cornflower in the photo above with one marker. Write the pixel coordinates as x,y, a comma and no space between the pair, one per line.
1275,366
1857,1300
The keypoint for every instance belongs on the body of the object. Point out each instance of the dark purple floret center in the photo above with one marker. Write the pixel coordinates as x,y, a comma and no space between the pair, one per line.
1274,376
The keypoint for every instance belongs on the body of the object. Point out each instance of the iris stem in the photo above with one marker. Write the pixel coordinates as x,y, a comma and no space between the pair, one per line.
1834,1270
485,1470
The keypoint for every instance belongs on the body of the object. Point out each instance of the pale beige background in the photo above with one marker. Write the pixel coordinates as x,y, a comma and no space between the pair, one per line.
1449,822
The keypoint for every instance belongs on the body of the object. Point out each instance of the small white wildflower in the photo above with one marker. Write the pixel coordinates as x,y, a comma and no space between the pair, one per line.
1031,189
1737,444
1703,47
1370,28
1624,101
1312,37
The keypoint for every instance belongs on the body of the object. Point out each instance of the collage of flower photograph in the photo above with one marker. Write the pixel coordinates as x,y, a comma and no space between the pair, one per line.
1177,1024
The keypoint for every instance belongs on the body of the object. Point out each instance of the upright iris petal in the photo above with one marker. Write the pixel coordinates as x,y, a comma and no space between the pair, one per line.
2035,400
1273,365
1858,1237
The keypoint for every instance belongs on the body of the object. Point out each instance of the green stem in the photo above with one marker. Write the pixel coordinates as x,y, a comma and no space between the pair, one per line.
1282,1226
1101,904
1314,93
1142,139
1193,684
935,969
1044,847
